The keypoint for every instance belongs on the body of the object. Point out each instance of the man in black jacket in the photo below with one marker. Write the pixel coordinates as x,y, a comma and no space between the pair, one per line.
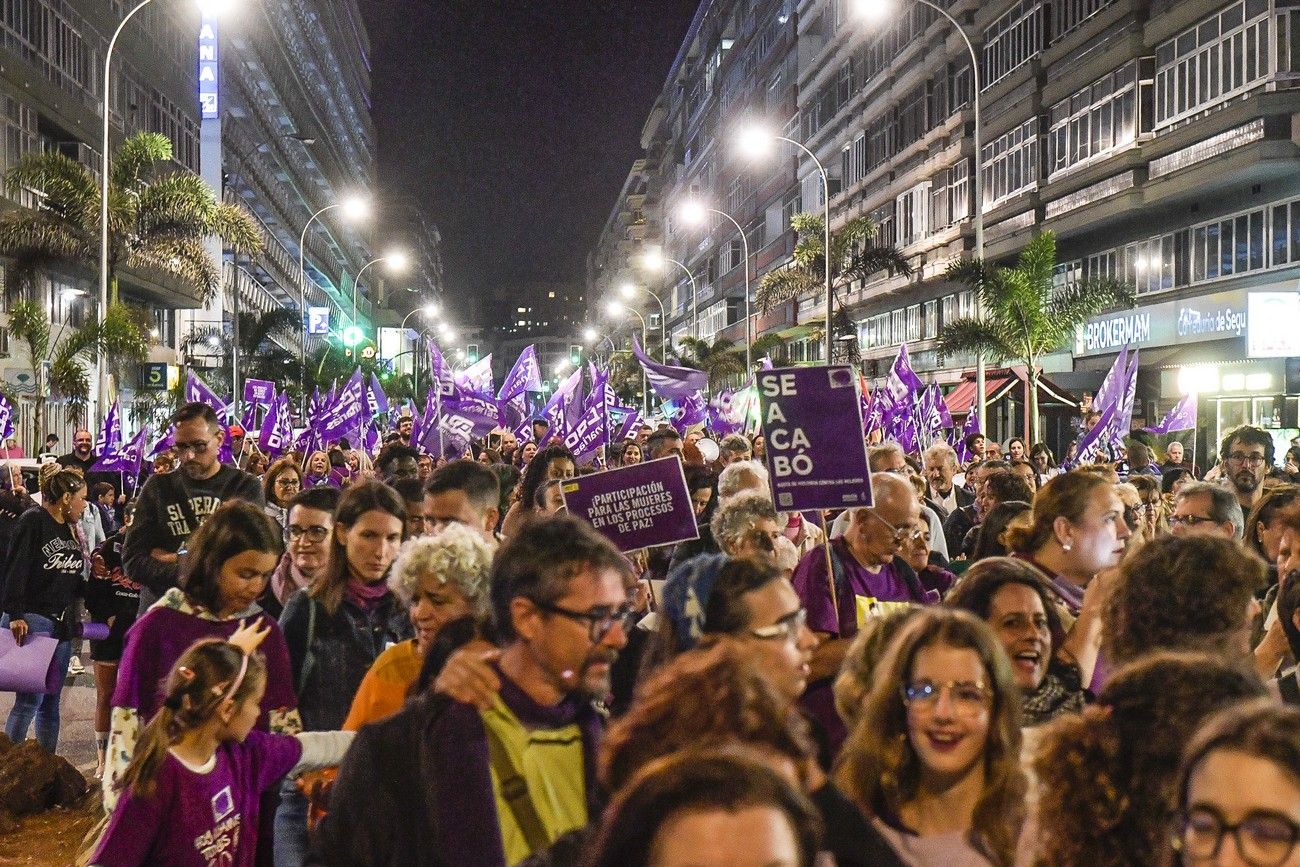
940,469
422,787
172,505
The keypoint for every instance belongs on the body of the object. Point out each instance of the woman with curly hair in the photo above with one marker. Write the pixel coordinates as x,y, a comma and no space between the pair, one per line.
934,761
1238,792
1188,592
1105,776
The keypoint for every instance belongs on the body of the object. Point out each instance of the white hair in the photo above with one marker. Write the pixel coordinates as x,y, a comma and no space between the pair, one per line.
941,450
455,555
736,477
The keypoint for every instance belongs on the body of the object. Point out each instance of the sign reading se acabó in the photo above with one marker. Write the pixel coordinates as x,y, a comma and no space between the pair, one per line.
637,506
812,421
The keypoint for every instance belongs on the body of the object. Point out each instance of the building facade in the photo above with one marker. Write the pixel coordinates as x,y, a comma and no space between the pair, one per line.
1155,138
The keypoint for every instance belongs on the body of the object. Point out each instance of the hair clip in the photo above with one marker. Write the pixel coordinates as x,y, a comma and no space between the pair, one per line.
186,673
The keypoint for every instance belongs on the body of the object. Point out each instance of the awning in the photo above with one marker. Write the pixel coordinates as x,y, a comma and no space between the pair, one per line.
959,400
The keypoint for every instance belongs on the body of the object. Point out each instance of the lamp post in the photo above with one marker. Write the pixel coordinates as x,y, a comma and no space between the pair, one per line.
876,9
429,310
101,369
754,141
655,260
616,309
397,261
355,208
628,290
694,212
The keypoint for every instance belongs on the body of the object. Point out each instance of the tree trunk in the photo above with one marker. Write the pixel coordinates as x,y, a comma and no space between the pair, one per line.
1032,405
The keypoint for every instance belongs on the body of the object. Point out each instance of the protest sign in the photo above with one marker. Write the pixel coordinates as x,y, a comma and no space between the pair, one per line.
812,420
635,506
259,391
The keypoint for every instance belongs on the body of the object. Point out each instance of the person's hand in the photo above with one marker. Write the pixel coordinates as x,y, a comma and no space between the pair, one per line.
19,629
109,623
164,556
468,677
249,636
641,596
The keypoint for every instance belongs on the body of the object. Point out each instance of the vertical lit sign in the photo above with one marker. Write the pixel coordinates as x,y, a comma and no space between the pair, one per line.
209,68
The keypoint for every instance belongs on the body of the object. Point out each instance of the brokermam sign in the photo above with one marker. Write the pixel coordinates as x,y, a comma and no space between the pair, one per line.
1206,317
1115,332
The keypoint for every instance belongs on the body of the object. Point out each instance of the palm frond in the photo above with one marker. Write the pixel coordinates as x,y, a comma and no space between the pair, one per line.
234,225
183,260
66,188
1038,260
873,260
782,285
1076,303
135,156
970,272
973,335
29,323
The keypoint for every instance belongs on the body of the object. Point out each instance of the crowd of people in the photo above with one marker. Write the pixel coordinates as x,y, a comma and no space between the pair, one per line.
336,658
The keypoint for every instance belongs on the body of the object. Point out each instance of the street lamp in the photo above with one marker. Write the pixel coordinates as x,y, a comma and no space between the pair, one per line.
430,310
354,208
397,263
209,7
617,309
628,290
878,9
754,141
693,212
655,260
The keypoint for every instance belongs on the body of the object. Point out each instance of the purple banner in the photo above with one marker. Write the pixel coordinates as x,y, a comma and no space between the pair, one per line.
812,420
638,506
259,391
197,390
110,437
1181,417
6,418
524,377
670,383
477,377
344,414
971,426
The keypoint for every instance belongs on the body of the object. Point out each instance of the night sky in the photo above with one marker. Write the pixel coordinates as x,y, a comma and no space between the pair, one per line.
514,123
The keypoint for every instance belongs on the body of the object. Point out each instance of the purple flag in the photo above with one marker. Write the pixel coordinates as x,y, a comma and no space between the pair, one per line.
632,422
935,417
1112,386
277,428
197,390
1181,417
903,383
556,410
376,399
124,458
590,432
683,414
344,415
480,411
440,371
110,437
249,420
6,418
259,391
163,444
1097,440
525,376
971,426
477,377
1124,416
315,406
669,382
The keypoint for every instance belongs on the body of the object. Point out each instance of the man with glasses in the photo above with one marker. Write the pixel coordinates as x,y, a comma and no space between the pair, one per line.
1207,509
451,783
173,505
463,492
309,524
1247,455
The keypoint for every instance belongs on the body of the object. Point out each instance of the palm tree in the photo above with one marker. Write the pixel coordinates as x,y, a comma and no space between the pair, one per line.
771,345
260,356
853,258
119,337
1025,315
158,218
720,359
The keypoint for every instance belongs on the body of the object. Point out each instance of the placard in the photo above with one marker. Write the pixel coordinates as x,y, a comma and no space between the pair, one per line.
259,391
637,506
812,421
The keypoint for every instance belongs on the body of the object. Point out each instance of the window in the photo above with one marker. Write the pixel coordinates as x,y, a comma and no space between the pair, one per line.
950,196
1010,164
712,320
793,206
1069,14
914,322
735,254
912,209
929,320
1094,121
853,162
1012,40
911,117
1221,57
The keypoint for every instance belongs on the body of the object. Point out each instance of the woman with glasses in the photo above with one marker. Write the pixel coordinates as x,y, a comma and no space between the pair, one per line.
282,482
1104,776
1238,793
338,627
309,525
935,760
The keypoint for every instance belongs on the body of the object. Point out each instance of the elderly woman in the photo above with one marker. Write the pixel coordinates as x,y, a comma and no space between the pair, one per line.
439,578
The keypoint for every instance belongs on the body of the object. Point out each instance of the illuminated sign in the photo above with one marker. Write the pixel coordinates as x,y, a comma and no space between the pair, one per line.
1274,330
318,320
209,68
1205,317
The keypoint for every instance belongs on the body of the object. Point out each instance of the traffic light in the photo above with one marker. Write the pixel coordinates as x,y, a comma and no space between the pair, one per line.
352,335
471,353
575,354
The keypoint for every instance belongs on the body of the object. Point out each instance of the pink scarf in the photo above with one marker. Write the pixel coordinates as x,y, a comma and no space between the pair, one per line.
366,596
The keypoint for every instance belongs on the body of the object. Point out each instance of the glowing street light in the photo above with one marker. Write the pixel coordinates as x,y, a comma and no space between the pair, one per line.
616,309
397,264
694,212
653,259
629,289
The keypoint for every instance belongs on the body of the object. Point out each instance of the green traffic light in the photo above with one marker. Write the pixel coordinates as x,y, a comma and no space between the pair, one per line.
352,335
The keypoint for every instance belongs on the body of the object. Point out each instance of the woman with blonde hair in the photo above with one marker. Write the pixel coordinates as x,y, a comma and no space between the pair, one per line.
934,761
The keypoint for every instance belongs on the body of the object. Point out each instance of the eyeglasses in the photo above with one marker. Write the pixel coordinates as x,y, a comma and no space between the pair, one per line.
1190,520
1263,839
901,534
315,533
1243,458
969,698
788,628
288,482
600,621
198,447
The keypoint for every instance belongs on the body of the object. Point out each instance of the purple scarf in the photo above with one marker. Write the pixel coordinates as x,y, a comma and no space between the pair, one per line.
466,805
366,596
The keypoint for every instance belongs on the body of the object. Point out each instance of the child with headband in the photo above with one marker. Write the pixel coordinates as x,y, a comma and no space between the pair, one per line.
190,794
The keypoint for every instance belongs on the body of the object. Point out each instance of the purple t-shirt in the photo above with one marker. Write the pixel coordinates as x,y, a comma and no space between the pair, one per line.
156,641
199,819
865,588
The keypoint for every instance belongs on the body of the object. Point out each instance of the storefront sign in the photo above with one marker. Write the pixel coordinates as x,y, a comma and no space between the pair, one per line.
209,69
812,422
1274,325
1207,317
637,506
